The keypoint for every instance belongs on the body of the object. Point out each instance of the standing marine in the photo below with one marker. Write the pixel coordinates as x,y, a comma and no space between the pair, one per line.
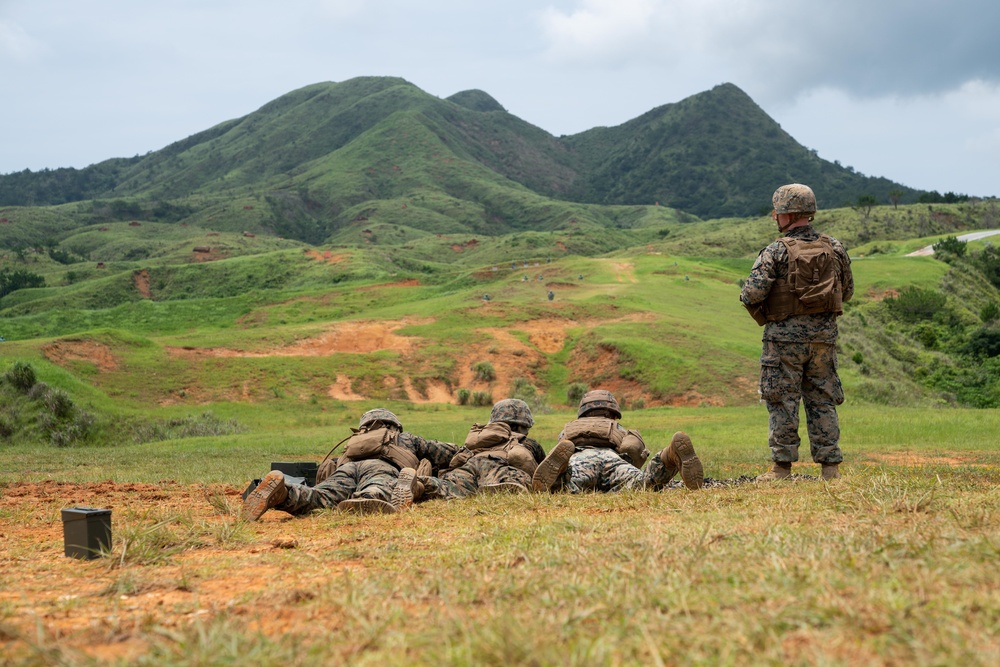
796,291
596,453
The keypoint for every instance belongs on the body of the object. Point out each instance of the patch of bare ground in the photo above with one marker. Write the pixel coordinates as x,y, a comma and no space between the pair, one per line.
140,279
882,294
62,352
360,337
324,256
76,602
913,459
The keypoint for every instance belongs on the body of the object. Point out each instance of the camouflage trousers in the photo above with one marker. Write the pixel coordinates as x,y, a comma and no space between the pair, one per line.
791,372
602,469
372,478
466,480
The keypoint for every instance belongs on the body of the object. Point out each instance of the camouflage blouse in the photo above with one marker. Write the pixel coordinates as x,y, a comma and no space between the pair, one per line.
772,264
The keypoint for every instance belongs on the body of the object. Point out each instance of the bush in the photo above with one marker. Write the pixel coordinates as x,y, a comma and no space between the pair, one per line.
989,312
484,371
950,246
59,403
21,376
38,391
463,396
575,392
482,398
915,304
527,392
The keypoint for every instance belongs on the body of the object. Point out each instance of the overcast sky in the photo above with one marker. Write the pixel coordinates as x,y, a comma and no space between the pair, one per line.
907,89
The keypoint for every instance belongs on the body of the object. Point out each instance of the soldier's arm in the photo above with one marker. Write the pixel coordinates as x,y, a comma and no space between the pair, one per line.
762,276
535,449
439,453
846,275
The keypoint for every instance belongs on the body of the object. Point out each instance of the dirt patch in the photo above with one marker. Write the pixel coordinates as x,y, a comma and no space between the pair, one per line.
64,351
324,256
624,272
879,295
913,459
82,604
141,281
361,337
341,390
410,282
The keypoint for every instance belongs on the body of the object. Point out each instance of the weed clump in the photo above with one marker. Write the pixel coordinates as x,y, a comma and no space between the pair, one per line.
189,426
463,396
482,398
484,371
575,392
21,376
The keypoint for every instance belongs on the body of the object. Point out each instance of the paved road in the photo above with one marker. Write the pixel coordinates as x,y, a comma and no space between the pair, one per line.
974,236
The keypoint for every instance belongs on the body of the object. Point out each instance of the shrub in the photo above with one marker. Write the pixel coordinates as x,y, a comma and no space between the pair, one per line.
21,376
950,246
858,358
484,371
482,398
59,403
575,392
989,312
915,304
463,396
38,391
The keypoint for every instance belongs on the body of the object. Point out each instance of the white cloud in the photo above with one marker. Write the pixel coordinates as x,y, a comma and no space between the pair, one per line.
17,44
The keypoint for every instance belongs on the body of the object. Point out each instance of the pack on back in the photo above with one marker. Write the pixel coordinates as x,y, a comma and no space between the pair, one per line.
812,271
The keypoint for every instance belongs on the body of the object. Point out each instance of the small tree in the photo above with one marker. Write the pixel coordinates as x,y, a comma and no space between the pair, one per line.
865,204
895,196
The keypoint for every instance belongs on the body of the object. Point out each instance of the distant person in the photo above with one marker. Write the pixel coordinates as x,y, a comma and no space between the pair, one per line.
796,291
596,453
551,295
375,474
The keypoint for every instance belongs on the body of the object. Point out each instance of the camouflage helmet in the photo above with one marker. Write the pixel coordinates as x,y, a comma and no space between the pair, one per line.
512,411
794,198
379,415
597,399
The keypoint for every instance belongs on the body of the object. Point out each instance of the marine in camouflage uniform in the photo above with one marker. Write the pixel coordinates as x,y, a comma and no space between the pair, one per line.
799,357
490,471
585,464
369,485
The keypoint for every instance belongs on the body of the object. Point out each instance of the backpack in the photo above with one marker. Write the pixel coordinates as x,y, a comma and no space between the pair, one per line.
363,444
595,432
495,439
813,271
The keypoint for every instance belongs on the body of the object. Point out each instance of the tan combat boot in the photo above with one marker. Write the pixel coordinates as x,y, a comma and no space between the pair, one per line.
503,487
680,456
554,465
404,489
270,492
777,471
831,471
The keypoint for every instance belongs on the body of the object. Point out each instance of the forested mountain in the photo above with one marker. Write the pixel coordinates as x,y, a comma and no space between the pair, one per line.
320,158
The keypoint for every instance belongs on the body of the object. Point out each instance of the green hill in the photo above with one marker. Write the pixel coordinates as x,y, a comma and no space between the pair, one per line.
314,161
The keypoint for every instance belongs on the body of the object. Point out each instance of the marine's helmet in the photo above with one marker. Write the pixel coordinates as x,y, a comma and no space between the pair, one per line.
512,411
379,415
597,399
794,198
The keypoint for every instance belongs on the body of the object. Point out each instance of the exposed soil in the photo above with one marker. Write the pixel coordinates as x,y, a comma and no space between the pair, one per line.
84,604
141,281
324,256
63,352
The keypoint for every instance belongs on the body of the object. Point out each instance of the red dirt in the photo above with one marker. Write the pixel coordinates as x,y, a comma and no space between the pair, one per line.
325,256
76,602
141,281
63,352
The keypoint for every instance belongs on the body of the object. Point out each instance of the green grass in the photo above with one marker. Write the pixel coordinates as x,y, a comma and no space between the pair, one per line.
894,564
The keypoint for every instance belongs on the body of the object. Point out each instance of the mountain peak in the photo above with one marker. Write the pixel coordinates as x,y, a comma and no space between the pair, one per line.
476,100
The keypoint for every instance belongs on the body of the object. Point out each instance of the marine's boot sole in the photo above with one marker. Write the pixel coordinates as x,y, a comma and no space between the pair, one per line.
366,506
692,472
405,489
267,494
554,465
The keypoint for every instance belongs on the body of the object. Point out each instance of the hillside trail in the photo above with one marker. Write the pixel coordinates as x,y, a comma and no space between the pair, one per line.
965,238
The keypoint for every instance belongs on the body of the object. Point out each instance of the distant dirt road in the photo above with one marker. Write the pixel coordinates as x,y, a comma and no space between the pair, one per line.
965,238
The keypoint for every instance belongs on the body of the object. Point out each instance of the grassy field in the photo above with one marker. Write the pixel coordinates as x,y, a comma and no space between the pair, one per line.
894,564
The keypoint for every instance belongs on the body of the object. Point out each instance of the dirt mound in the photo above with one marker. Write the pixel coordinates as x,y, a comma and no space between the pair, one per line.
63,352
